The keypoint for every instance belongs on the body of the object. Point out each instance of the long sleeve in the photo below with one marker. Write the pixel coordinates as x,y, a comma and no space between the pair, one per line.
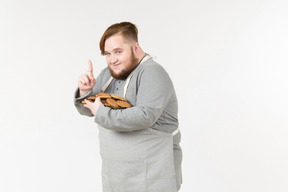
155,94
80,108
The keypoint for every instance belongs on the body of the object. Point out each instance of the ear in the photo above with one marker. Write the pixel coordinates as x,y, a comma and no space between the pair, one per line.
136,47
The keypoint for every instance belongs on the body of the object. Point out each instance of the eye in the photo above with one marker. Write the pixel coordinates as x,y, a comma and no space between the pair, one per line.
118,52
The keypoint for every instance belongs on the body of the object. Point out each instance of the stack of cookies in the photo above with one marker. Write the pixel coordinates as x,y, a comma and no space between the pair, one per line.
109,100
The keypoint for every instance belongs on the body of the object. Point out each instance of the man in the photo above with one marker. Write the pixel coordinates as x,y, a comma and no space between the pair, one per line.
139,145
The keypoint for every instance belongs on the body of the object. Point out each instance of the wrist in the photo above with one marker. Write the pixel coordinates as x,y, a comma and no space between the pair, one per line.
82,93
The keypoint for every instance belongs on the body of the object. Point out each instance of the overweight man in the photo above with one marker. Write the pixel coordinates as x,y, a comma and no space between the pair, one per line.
139,145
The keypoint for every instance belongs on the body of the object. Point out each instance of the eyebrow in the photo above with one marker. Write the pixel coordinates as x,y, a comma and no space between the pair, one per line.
115,49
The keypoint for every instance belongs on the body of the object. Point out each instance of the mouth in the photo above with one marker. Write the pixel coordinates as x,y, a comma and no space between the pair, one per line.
115,65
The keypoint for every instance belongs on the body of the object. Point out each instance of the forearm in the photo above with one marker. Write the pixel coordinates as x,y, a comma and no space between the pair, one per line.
129,119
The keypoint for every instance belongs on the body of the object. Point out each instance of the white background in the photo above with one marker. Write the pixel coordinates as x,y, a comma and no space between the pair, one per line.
228,62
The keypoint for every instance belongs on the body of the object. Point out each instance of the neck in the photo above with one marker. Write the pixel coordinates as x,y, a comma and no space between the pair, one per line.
141,56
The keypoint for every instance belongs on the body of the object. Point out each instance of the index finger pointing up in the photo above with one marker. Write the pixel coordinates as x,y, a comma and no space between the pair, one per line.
90,66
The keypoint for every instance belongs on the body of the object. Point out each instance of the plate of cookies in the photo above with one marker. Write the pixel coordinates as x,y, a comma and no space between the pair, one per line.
110,100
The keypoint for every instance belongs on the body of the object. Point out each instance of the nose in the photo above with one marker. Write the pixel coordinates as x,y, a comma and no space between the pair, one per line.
113,59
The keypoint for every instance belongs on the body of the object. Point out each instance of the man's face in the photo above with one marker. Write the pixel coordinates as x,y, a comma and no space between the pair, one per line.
120,56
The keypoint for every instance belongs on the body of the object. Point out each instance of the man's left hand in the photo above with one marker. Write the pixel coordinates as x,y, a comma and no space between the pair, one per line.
93,106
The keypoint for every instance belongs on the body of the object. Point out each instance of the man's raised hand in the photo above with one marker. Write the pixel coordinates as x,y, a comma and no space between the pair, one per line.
86,81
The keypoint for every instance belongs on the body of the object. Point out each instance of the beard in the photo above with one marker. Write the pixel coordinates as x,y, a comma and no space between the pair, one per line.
124,73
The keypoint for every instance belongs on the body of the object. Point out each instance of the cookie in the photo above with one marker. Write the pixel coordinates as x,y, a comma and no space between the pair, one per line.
112,103
91,98
123,104
83,102
104,102
116,97
103,96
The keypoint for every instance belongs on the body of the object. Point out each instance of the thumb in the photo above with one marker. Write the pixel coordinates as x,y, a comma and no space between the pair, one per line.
90,66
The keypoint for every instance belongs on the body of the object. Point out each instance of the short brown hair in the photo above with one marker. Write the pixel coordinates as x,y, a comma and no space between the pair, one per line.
127,29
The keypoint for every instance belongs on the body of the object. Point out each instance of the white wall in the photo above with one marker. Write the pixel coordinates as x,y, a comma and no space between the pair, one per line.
228,62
